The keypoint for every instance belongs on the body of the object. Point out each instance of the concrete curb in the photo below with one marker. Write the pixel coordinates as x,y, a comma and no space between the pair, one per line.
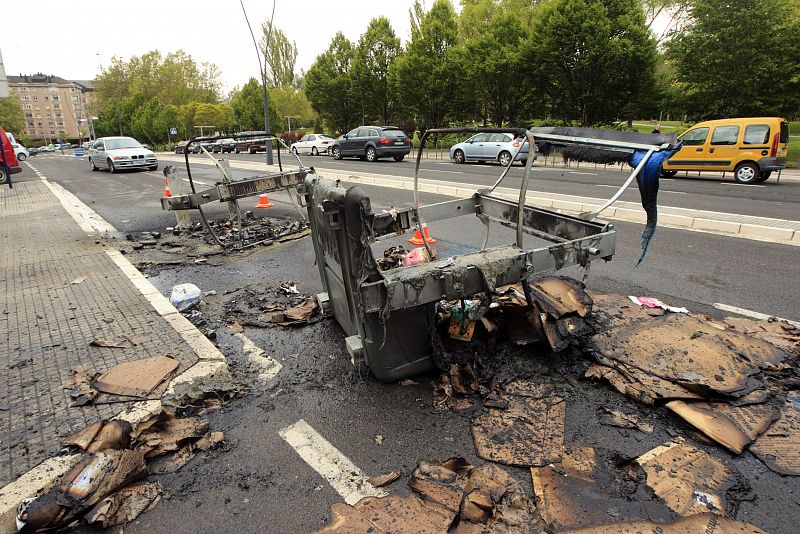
211,363
669,217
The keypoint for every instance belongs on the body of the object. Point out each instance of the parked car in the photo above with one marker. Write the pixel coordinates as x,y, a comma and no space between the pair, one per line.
11,164
251,146
500,147
20,151
751,147
372,143
314,144
222,146
117,153
34,151
180,148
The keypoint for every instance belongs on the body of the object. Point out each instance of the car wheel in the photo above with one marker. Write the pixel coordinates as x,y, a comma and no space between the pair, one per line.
399,158
235,150
314,151
21,157
251,151
337,153
524,162
764,176
458,156
111,167
504,158
91,163
294,150
668,174
3,176
746,173
371,155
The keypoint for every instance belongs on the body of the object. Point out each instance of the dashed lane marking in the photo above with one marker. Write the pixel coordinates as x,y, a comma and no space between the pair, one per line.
586,173
340,472
750,313
741,185
269,368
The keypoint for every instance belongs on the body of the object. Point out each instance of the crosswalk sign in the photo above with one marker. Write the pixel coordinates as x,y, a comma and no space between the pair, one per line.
173,131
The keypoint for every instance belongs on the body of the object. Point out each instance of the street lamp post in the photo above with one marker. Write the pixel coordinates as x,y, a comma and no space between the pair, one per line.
91,122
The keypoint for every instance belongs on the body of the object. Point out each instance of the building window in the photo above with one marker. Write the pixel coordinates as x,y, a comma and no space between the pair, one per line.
36,98
27,106
46,98
55,98
25,98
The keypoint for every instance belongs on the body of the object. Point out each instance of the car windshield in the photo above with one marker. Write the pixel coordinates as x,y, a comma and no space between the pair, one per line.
394,134
122,142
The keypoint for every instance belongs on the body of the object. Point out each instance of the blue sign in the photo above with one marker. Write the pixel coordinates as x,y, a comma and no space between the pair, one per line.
173,131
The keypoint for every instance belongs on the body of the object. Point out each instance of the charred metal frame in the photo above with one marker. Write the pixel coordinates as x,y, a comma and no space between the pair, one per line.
388,315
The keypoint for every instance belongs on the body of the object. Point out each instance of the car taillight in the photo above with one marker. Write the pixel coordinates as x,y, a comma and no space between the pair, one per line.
515,144
385,141
406,140
774,150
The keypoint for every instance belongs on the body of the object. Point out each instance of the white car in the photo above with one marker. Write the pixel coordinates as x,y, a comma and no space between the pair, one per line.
314,144
20,151
117,153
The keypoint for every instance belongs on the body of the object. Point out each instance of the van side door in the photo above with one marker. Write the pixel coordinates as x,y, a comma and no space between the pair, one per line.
692,154
723,148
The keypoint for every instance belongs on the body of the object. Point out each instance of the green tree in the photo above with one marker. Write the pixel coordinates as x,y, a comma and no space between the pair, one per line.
592,58
330,88
12,118
492,62
290,102
742,63
426,76
280,55
377,50
247,105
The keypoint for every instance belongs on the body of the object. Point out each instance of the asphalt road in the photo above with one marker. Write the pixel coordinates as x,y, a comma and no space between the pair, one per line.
257,483
710,192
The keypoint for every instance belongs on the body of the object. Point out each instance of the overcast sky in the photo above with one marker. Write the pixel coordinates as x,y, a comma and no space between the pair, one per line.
72,39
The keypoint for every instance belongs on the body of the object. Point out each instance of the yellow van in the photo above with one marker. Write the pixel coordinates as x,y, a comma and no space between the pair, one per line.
751,147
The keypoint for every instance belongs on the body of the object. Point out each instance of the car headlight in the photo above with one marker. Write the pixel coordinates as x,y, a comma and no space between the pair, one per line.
150,155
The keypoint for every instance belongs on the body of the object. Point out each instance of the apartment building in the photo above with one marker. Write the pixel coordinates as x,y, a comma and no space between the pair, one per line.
52,104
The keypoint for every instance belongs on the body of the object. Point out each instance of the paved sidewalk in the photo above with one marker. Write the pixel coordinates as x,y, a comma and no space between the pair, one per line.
47,323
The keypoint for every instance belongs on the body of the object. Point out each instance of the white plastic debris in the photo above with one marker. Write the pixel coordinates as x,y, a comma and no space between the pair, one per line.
184,296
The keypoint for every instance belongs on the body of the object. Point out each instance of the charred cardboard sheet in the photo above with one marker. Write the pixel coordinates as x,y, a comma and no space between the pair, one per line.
701,523
560,296
690,352
621,419
125,505
638,384
136,378
474,499
586,489
689,480
780,333
529,431
102,435
779,446
733,427
615,311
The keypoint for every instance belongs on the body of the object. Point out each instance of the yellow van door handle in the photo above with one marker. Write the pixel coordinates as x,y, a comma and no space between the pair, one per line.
698,149
711,150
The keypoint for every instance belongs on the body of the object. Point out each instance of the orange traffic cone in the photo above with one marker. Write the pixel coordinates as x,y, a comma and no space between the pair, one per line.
417,239
263,202
167,193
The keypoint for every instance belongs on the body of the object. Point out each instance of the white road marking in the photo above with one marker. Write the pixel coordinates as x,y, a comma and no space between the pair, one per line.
674,192
340,472
453,172
587,173
196,181
604,185
741,185
750,313
256,355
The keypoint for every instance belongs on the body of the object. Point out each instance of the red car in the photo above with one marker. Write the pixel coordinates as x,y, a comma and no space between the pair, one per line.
8,159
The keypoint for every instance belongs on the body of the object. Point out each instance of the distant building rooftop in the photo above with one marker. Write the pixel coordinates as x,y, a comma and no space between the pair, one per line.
49,78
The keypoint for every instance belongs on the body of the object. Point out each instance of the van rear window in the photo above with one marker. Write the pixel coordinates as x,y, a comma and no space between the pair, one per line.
784,132
756,134
394,134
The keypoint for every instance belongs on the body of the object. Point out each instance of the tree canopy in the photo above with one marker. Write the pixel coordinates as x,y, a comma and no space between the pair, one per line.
12,119
743,63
